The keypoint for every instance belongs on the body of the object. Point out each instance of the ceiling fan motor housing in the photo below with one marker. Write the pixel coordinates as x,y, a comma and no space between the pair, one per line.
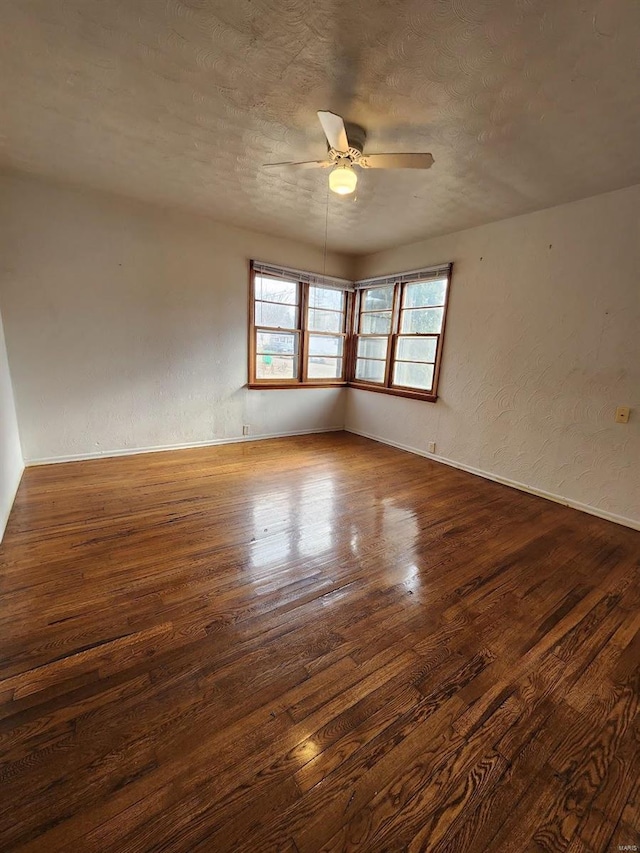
357,136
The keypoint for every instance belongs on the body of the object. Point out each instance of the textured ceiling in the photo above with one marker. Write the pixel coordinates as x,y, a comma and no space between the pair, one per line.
523,103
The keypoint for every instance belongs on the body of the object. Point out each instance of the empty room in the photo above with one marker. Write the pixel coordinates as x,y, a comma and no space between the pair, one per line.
320,426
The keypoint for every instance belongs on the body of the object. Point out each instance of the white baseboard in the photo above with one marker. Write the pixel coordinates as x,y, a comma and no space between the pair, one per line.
514,484
505,481
212,442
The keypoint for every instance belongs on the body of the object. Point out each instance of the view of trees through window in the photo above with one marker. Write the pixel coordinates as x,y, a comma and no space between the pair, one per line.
277,312
299,333
326,324
398,333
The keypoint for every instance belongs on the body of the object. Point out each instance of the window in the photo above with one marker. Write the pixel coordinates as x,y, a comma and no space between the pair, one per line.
277,319
398,333
326,334
375,321
310,330
298,329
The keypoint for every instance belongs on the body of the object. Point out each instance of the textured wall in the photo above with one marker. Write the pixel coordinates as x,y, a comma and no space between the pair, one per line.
542,344
126,328
11,464
126,325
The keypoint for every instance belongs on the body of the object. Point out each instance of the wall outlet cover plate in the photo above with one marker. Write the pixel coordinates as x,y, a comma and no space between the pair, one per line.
622,414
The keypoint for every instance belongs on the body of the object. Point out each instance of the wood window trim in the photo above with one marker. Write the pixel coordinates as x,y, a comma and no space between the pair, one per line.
388,386
264,385
351,335
303,332
395,391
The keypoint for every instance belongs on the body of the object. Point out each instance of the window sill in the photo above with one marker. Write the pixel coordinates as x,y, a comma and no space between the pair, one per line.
361,386
395,392
279,386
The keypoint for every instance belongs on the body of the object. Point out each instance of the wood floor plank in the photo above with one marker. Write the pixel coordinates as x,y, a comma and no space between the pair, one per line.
315,643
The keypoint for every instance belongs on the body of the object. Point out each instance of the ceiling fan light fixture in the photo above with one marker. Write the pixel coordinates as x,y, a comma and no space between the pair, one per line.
343,179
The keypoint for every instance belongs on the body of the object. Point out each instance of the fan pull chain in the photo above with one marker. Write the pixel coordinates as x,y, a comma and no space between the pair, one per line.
326,232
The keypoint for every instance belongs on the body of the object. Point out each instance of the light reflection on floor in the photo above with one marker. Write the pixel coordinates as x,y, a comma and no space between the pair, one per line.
305,522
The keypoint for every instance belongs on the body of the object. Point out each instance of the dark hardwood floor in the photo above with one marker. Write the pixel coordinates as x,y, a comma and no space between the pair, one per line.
307,644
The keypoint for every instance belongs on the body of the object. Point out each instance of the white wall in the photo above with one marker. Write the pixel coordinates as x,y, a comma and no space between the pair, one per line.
126,325
542,344
11,464
126,329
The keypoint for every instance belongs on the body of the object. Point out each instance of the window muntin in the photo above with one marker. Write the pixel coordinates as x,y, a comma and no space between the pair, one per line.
413,374
305,334
370,370
325,321
326,345
298,332
324,368
419,294
421,321
326,334
372,347
398,338
277,355
276,303
276,329
374,326
327,298
416,347
377,299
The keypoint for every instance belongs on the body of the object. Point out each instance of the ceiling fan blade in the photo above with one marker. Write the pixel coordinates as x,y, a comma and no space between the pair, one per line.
397,161
305,164
334,130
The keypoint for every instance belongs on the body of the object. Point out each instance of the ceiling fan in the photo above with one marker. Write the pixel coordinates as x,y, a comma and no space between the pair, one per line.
346,146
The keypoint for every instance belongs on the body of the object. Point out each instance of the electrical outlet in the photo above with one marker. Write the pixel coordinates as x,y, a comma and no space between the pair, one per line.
245,429
432,447
622,415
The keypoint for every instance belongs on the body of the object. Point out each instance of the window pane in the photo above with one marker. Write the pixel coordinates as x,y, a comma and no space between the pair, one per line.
421,320
279,316
417,349
324,368
413,375
325,345
325,321
377,299
371,371
326,297
372,347
276,367
276,290
274,343
377,324
425,293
